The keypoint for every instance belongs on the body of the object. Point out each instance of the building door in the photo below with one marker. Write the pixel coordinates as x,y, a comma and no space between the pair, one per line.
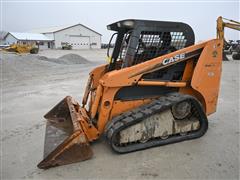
80,42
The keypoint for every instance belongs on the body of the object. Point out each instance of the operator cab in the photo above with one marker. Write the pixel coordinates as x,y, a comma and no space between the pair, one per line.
140,40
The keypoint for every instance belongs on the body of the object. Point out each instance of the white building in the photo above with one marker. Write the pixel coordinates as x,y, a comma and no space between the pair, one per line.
79,36
2,36
40,40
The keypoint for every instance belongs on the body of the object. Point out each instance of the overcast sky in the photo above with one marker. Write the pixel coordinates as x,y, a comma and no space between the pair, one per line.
201,16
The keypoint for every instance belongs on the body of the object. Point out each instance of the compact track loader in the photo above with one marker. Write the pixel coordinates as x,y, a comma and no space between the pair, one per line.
157,89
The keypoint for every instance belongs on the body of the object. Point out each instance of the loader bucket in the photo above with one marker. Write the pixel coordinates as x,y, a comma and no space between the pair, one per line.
65,140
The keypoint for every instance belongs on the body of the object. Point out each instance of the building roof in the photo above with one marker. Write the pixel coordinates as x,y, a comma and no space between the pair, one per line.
2,34
59,28
30,36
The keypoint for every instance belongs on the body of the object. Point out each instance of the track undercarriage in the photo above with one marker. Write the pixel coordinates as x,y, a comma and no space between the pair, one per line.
169,119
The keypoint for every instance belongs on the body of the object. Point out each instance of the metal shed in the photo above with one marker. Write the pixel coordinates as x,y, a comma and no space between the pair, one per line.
78,35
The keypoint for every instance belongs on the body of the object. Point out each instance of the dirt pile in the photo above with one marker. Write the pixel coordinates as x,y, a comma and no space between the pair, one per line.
68,59
20,67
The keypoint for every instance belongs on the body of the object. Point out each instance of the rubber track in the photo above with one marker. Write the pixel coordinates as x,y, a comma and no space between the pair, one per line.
132,117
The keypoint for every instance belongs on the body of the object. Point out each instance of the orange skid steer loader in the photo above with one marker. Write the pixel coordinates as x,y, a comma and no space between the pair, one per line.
157,89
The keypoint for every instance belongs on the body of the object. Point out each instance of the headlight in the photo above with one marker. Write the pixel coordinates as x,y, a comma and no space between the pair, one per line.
128,23
119,24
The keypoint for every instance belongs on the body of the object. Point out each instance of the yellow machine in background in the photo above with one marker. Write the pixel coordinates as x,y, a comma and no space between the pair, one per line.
231,24
22,48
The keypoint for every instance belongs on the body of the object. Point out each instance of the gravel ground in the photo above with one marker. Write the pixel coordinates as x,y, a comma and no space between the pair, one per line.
31,85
